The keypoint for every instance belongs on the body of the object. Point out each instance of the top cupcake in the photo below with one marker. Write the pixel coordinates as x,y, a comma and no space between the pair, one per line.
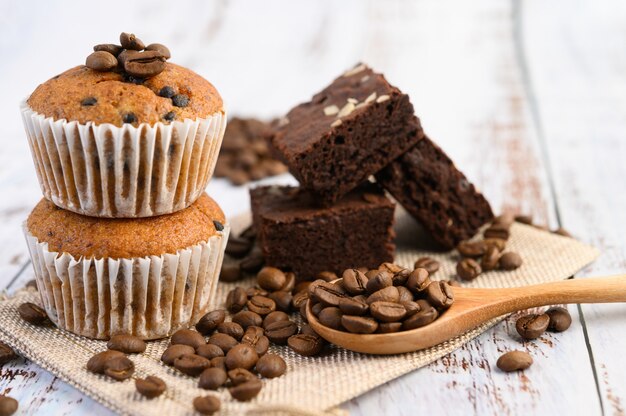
127,84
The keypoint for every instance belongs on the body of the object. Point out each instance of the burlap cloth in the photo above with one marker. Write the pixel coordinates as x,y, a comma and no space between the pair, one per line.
311,385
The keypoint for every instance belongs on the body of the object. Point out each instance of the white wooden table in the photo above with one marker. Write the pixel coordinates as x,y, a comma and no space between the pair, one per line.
528,97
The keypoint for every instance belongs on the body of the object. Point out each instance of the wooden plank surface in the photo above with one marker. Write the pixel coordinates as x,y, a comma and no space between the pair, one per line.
461,64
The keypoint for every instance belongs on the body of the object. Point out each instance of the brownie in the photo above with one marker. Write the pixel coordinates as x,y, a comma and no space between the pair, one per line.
295,233
346,133
428,185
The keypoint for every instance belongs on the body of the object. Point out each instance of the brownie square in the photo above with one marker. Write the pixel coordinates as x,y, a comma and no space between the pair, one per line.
346,133
427,184
297,234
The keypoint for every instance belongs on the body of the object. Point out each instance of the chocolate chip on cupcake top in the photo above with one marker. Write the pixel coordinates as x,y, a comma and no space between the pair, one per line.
78,235
128,83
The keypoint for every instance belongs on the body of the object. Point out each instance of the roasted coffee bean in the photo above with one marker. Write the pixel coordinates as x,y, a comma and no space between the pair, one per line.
388,327
240,375
329,293
468,269
510,261
399,279
191,364
168,92
33,314
275,317
498,243
271,365
97,362
271,278
224,341
306,329
230,273
212,378
387,311
504,220
175,351
129,118
246,391
290,282
350,306
354,281
89,102
131,42
497,230
127,344
359,324
209,351
300,298
8,405
405,294
431,265
531,326
278,332
247,319
231,328
261,305
327,276
317,308
282,299
391,267
6,354
252,263
418,280
560,319
424,316
514,361
255,337
119,368
306,344
109,47
439,295
209,322
145,64
388,294
491,258
101,61
256,291
301,287
236,299
411,307
207,405
219,362
187,337
330,317
379,281
471,248
563,232
371,273
180,100
524,219
241,356
150,386
238,247
162,49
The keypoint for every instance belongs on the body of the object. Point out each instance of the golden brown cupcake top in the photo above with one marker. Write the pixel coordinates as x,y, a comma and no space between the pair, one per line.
83,94
78,235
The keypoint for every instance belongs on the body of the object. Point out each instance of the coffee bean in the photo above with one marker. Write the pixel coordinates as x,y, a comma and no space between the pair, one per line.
168,92
206,405
491,258
8,405
271,365
231,328
169,116
238,247
150,386
563,232
240,375
89,101
282,299
209,322
405,294
290,283
316,308
225,342
175,351
471,248
514,361
241,356
359,324
388,294
236,299
180,100
379,281
252,263
504,220
187,337
162,49
497,230
109,47
256,291
306,345
327,276
301,287
129,118
400,278
371,273
468,269
101,61
219,362
411,307
431,265
255,337
6,354
230,273
329,293
246,391
119,368
350,306
278,332
209,351
275,317
510,261
299,299
440,295
330,317
131,42
97,363
247,319
33,314
212,378
127,344
271,278
560,319
390,267
531,326
498,243
145,65
261,305
387,311
424,316
418,280
191,364
524,219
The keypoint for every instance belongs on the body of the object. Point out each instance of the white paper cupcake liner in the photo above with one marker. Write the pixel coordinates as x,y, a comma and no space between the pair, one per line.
149,297
123,172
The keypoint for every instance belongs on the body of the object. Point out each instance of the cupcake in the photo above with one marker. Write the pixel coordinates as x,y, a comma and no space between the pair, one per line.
147,277
127,135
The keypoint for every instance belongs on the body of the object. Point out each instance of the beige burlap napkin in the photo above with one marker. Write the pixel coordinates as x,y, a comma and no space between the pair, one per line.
311,385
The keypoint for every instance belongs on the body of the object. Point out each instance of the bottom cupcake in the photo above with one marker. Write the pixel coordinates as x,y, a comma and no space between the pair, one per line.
147,277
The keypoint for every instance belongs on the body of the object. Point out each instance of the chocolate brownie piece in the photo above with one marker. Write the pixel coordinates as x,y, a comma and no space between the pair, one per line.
428,185
347,132
295,233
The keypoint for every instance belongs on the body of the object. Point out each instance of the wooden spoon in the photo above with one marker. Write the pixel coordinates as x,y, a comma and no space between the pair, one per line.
473,307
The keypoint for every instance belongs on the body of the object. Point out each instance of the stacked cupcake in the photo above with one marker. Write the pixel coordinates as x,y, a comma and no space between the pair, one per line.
125,241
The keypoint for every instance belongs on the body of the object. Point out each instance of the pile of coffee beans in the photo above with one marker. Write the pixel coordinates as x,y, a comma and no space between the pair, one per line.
248,255
245,154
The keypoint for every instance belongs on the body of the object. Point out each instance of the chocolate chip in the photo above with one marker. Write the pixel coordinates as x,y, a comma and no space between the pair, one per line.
170,116
180,100
131,42
162,49
129,118
167,92
101,61
218,225
89,101
109,47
